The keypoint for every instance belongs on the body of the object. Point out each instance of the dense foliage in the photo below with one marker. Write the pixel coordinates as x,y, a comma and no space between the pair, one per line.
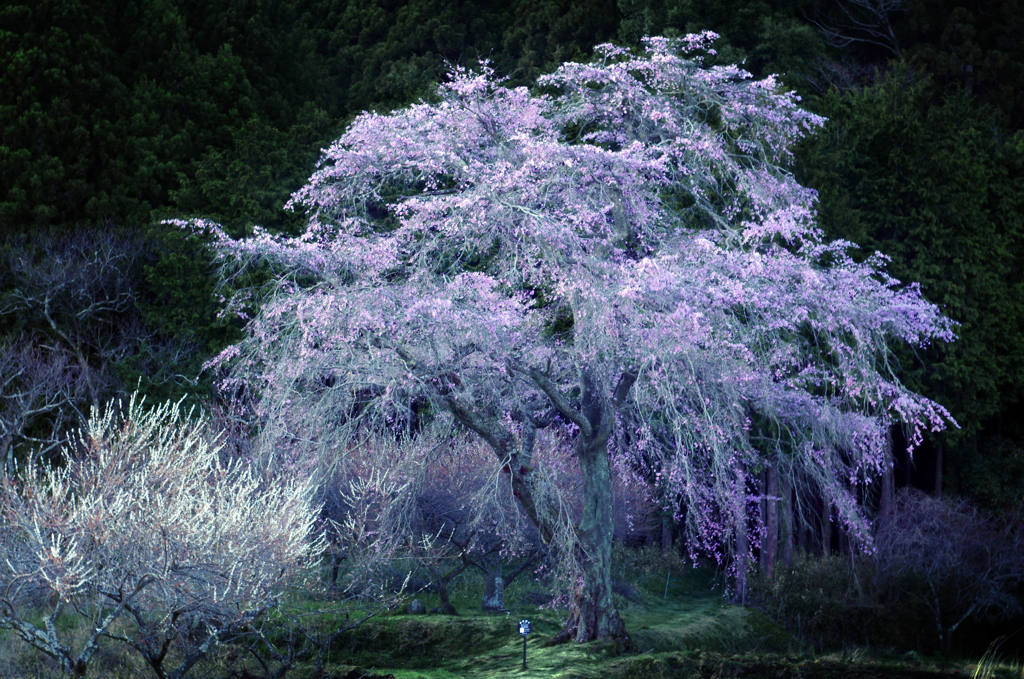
940,190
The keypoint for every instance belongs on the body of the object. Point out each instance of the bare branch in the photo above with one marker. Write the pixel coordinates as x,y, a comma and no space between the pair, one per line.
560,402
626,381
862,21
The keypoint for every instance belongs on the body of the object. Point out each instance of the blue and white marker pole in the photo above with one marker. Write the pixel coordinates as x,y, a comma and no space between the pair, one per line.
524,628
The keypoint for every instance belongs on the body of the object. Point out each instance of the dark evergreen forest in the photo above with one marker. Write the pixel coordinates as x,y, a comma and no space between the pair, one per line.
115,114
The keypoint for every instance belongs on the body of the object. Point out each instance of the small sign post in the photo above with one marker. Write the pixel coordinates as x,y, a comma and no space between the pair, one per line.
524,628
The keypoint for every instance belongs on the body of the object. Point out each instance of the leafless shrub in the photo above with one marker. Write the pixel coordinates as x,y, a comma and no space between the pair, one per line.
146,526
67,315
466,517
944,554
411,493
832,600
77,293
938,563
39,394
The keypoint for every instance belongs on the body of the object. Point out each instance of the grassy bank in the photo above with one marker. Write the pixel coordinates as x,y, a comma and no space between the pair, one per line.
684,631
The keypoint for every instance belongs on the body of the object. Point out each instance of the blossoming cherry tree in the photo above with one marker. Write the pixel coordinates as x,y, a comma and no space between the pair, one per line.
619,261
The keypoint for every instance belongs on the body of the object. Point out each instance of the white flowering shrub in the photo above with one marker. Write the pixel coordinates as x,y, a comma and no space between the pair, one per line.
144,524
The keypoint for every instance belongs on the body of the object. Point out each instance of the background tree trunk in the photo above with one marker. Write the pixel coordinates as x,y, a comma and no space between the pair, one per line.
826,528
742,562
653,526
802,532
495,581
787,523
887,499
771,539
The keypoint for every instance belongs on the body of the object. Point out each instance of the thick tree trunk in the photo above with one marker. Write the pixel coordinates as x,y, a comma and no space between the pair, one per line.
666,534
938,469
771,539
441,581
446,604
594,615
336,559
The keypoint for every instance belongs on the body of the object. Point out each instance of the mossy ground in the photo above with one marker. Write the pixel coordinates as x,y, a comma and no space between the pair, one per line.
689,633
686,632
